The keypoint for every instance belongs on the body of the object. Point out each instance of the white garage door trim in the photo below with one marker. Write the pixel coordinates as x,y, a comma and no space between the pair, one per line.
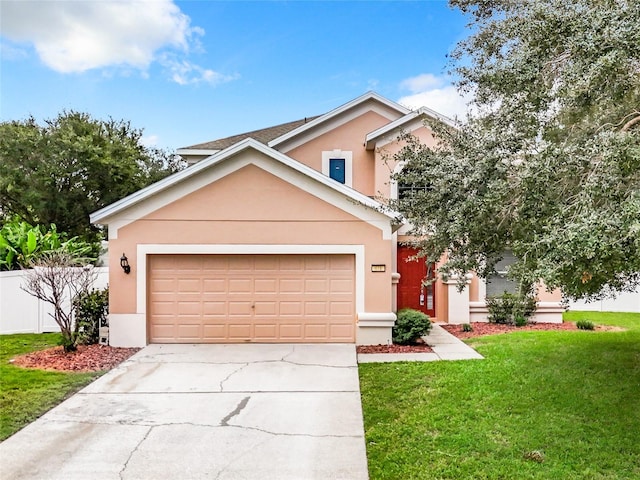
152,249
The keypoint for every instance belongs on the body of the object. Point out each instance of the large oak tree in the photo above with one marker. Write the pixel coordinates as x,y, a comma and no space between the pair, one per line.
72,165
548,166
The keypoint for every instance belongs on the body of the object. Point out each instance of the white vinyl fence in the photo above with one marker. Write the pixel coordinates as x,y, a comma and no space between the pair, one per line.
24,313
624,302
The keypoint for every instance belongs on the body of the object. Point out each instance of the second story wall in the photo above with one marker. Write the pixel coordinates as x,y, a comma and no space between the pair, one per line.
344,141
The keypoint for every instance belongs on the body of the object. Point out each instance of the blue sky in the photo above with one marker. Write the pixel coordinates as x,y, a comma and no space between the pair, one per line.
189,72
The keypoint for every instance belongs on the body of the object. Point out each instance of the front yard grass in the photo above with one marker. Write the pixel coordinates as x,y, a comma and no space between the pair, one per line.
25,394
542,405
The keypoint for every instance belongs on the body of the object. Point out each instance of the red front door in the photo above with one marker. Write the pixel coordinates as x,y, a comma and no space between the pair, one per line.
412,293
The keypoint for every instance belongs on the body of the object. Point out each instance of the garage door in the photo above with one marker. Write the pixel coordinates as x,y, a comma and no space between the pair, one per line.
251,298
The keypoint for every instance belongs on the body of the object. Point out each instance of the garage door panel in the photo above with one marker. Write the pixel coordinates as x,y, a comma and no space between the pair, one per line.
217,332
341,331
240,331
268,331
341,263
240,263
316,331
240,286
268,285
291,308
163,308
189,285
266,263
214,285
340,308
341,285
291,263
315,308
260,298
316,285
239,308
188,264
291,332
316,262
189,308
214,308
214,263
159,285
262,309
292,285
189,332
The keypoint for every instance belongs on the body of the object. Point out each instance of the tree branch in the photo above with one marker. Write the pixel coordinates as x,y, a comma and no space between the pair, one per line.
631,122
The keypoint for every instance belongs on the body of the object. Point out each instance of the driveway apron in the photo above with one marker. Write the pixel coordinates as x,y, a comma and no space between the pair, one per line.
204,411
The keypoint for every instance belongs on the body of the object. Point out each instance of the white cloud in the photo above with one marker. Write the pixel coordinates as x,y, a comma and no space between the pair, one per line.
436,93
76,36
184,72
149,140
422,82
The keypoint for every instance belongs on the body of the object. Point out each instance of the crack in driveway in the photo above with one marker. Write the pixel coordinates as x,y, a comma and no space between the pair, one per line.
243,403
244,365
133,452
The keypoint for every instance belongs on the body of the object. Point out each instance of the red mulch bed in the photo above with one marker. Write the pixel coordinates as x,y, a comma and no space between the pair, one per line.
485,328
88,358
93,358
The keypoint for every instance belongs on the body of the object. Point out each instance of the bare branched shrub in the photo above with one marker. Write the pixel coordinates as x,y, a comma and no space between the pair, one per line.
57,278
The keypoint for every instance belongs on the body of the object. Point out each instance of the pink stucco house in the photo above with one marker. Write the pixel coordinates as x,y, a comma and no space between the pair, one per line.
276,236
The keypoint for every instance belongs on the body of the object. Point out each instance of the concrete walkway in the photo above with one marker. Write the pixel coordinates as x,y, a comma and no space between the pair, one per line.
204,411
445,347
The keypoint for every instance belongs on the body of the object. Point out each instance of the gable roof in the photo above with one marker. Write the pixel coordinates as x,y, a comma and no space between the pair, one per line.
263,135
369,96
402,122
351,199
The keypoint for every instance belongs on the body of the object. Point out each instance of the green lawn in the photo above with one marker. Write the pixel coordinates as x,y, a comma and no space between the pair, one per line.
25,394
573,396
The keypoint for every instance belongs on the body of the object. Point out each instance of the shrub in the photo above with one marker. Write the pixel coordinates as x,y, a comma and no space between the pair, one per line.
520,320
466,327
508,307
91,309
585,325
410,325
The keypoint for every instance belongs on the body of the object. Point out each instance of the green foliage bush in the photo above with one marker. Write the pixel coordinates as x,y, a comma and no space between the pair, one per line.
466,327
410,325
22,243
510,308
585,325
91,309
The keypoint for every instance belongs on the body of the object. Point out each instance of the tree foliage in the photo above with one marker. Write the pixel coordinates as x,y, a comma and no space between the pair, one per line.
548,165
71,166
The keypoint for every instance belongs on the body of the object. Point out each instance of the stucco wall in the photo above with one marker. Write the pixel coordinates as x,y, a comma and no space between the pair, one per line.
347,137
250,206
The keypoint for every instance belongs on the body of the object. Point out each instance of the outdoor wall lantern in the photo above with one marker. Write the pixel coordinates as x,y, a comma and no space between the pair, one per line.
124,263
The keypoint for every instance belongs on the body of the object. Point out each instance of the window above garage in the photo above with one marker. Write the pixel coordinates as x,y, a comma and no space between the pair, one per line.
338,165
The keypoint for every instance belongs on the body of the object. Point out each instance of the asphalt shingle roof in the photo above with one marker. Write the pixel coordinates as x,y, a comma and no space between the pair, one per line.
264,135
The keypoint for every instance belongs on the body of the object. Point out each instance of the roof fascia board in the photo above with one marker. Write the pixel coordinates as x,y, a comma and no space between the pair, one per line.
409,119
131,208
195,151
338,111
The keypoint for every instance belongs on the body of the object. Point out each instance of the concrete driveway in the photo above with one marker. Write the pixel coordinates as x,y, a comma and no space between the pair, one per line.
204,411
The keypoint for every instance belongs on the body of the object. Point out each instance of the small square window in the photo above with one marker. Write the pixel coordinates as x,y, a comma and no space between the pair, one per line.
338,165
